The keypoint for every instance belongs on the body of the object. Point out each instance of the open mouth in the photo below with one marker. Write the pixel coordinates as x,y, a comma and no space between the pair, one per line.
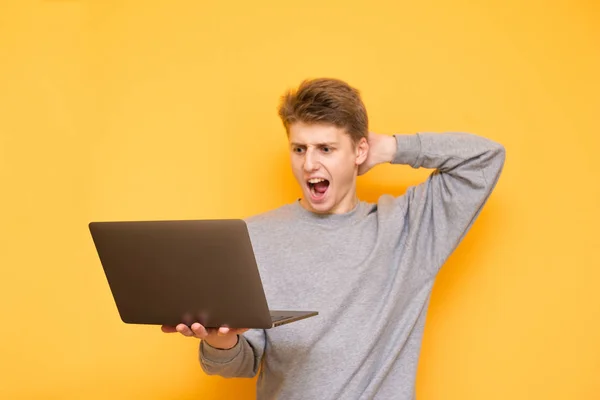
318,188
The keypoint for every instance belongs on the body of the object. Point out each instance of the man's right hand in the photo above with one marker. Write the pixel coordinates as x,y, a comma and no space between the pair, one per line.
223,338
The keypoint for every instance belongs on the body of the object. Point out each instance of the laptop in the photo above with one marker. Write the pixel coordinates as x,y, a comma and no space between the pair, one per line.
186,271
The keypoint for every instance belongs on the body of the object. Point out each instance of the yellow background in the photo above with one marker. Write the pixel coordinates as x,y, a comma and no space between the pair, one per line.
164,110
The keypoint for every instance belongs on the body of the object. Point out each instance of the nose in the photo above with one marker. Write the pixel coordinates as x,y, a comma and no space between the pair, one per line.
311,162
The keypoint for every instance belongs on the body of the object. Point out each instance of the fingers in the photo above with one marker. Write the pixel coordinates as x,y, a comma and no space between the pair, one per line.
168,329
199,331
223,331
185,330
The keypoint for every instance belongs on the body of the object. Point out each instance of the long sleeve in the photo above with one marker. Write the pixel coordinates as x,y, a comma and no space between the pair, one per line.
441,210
241,361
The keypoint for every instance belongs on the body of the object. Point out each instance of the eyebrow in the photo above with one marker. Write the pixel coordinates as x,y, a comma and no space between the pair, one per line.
329,144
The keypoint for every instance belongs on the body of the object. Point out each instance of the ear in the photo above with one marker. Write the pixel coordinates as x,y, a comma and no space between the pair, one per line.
362,151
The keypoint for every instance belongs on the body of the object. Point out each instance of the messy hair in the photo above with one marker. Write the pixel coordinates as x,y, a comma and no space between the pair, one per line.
326,101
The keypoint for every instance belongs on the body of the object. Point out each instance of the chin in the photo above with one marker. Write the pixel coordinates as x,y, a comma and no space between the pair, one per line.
324,207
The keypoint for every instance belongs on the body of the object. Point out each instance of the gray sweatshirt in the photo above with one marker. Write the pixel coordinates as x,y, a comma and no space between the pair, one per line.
368,272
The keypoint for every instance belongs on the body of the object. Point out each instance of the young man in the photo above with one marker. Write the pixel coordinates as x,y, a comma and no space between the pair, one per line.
367,268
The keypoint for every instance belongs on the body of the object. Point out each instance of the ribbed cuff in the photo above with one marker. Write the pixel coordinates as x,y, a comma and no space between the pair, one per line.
220,356
408,149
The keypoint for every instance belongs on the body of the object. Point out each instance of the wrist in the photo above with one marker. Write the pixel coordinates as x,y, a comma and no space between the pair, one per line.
389,147
223,343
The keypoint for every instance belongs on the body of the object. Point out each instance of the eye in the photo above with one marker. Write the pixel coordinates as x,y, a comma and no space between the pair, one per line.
298,150
326,149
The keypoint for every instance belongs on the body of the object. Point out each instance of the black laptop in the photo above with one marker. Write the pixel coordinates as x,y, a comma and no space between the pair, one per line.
172,272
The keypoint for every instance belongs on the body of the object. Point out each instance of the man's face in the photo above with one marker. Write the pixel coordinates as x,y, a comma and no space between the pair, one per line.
325,163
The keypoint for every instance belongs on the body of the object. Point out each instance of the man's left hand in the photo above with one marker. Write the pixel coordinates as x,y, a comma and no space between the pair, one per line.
382,149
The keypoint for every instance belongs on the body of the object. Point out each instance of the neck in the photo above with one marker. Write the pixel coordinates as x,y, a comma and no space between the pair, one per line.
331,220
345,205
